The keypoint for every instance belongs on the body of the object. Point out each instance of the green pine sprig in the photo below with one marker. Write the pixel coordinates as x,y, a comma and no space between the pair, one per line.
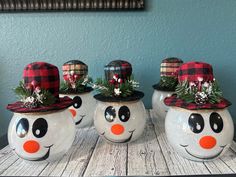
168,82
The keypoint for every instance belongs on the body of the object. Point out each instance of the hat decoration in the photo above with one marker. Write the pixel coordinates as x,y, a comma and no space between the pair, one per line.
76,79
39,90
197,88
168,72
118,82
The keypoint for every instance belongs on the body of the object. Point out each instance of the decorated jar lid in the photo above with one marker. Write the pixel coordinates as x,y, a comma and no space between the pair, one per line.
168,72
39,90
197,88
118,84
75,75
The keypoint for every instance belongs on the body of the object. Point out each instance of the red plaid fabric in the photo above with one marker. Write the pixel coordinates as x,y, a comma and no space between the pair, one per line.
74,67
193,71
44,75
170,66
120,67
174,101
19,106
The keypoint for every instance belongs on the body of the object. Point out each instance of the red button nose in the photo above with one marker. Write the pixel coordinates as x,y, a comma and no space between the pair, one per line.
117,129
31,146
73,112
207,142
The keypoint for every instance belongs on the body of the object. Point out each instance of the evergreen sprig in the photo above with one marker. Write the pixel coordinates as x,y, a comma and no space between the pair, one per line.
37,97
188,93
168,82
80,85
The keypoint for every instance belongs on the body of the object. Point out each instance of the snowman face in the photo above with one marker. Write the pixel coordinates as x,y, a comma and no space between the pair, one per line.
81,110
38,137
199,135
120,122
158,105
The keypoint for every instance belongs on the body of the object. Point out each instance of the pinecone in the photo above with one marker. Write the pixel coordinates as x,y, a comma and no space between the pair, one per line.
31,105
201,98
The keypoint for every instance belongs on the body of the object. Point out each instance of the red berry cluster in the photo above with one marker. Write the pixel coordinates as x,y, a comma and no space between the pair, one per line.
116,80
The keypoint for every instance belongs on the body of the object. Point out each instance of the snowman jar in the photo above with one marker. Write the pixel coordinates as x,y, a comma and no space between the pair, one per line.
200,129
75,86
166,86
117,118
42,127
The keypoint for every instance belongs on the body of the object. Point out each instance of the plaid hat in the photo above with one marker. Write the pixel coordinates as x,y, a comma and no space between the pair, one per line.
74,67
120,67
168,72
44,76
195,72
122,70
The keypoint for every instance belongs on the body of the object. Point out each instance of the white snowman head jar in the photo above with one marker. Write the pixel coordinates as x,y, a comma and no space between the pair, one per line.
42,128
165,87
75,86
198,124
120,116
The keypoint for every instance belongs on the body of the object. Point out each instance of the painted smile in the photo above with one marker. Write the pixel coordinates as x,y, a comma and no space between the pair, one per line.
203,158
78,122
41,158
120,141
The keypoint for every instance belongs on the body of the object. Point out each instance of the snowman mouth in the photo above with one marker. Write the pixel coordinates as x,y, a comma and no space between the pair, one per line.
201,157
41,158
120,141
78,122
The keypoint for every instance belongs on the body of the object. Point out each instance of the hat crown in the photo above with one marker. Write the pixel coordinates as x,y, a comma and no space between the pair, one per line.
75,68
170,66
120,67
42,75
195,72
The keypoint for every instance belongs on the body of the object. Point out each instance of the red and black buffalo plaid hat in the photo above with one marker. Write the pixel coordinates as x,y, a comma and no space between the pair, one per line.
168,69
120,67
123,70
195,72
45,76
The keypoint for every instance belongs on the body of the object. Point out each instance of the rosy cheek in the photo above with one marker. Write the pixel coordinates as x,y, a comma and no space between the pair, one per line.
73,112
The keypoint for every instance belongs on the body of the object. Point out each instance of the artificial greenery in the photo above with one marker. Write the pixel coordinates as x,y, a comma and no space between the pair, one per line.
190,93
108,89
34,97
168,82
81,85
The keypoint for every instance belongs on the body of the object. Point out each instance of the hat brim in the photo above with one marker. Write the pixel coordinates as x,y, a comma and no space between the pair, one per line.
86,90
18,107
137,95
174,101
159,87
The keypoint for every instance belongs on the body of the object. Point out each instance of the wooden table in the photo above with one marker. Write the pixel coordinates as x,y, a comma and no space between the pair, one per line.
92,156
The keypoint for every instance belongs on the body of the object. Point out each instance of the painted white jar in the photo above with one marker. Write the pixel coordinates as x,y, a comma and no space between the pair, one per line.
159,108
41,136
199,135
83,110
120,122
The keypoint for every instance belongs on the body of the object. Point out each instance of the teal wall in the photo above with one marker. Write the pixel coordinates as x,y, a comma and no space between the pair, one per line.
190,29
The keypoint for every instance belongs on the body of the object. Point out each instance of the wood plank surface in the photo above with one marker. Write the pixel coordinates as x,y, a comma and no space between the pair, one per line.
108,160
145,156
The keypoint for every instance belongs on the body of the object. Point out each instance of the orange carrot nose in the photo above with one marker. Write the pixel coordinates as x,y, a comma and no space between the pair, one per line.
117,129
31,146
73,112
207,142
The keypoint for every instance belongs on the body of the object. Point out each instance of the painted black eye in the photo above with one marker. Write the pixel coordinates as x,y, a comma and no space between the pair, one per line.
124,113
22,127
110,114
196,123
216,122
77,102
40,127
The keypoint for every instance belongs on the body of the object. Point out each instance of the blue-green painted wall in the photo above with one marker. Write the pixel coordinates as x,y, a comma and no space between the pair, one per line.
190,29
